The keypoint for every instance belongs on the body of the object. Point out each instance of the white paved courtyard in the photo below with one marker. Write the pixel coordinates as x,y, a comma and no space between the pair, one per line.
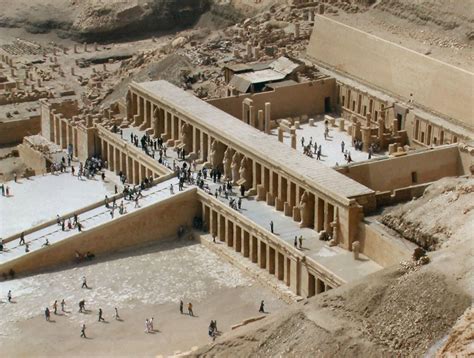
40,198
331,146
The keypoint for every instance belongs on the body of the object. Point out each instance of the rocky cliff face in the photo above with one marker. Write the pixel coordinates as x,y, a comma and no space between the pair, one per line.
96,20
111,20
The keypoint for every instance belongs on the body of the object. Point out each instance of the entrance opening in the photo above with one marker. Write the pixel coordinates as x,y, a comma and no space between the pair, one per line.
327,104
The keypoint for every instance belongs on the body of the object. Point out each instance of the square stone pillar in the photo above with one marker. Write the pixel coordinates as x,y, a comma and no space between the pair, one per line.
252,119
295,275
110,158
196,140
267,117
260,120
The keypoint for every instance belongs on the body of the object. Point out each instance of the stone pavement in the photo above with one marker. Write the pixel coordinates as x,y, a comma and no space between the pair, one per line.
331,147
89,219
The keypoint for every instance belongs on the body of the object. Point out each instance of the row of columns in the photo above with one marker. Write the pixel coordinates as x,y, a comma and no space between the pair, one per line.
120,161
276,189
260,251
260,119
63,132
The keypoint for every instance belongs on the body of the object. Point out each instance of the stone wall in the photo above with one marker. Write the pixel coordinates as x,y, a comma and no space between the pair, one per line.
381,247
409,75
12,132
156,222
33,159
290,101
394,173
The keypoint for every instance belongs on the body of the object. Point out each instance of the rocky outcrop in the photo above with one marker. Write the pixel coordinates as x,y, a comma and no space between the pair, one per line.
94,20
113,19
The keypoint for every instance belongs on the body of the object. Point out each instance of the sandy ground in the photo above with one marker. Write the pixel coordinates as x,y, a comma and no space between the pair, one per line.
146,283
54,194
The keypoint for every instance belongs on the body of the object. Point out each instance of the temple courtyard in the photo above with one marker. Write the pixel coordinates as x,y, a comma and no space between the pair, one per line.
144,283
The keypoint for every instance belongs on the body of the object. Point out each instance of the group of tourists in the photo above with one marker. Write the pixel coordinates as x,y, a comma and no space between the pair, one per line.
311,148
5,190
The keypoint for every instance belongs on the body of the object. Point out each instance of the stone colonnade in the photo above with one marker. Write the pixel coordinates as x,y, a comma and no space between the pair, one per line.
121,157
269,253
285,191
65,131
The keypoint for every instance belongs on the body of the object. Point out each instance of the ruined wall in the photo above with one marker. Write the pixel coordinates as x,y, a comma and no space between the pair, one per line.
33,159
425,133
438,86
12,132
394,173
156,222
289,101
382,248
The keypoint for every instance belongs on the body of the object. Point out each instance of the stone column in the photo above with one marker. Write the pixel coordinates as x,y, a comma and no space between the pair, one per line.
110,158
252,119
267,117
196,140
260,120
280,134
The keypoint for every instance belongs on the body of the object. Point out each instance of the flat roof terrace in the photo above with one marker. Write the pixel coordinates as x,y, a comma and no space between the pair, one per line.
222,125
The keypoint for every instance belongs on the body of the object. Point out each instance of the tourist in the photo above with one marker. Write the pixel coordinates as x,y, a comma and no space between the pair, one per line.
27,247
47,314
115,189
84,282
301,241
63,227
342,146
9,296
69,224
296,242
14,177
79,226
136,202
181,306
101,318
63,304
46,243
22,239
83,331
7,191
262,307
82,306
117,317
150,323
239,203
190,309
171,189
147,326
271,227
55,306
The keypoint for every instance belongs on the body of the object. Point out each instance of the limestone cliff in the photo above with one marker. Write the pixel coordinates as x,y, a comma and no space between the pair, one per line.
101,19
